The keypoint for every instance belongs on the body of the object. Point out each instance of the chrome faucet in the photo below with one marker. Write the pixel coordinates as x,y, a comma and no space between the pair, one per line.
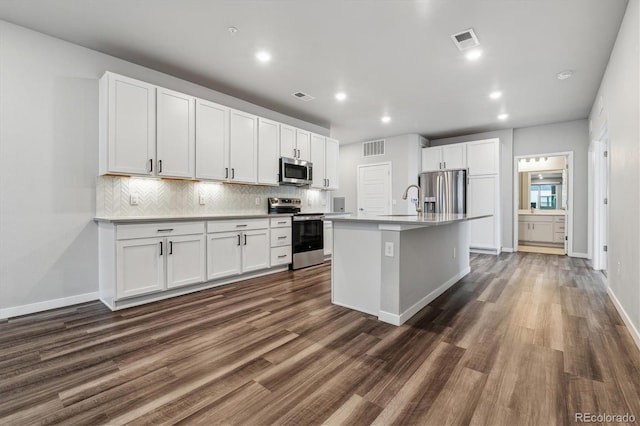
406,192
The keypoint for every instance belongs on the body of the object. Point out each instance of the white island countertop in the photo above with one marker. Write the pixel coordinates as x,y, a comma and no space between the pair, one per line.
428,219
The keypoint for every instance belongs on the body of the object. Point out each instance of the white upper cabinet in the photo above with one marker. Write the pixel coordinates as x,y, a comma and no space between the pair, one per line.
332,157
212,140
176,122
268,150
127,125
483,157
454,156
431,159
318,160
444,157
288,141
303,145
243,139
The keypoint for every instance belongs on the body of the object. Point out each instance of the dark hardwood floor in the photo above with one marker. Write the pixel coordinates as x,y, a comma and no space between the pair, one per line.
523,339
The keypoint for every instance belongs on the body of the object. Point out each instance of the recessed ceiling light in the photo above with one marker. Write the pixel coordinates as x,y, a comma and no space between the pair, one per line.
341,96
232,30
495,95
263,56
385,119
503,116
563,75
474,54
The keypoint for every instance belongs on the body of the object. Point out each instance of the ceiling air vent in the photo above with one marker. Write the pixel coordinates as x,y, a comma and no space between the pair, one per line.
303,96
465,40
373,148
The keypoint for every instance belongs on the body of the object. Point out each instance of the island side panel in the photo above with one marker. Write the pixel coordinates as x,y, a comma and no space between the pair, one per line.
428,265
355,266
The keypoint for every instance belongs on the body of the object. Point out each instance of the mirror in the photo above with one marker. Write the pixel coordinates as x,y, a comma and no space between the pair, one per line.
544,190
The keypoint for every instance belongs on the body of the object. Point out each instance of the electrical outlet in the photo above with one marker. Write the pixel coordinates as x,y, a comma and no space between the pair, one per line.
618,268
257,201
202,200
134,199
388,249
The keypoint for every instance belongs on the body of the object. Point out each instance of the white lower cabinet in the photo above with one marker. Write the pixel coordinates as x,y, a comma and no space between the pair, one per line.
155,257
483,199
236,252
328,238
281,241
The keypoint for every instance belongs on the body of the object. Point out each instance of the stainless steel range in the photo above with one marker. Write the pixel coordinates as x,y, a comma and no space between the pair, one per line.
307,232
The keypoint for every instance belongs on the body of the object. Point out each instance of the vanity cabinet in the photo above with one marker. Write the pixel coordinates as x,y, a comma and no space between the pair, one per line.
538,228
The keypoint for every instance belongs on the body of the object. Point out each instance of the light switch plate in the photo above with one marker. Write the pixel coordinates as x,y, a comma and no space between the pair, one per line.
202,200
134,199
388,249
257,201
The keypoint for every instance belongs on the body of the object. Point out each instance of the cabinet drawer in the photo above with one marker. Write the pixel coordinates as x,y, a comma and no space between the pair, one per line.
280,222
558,219
558,237
280,255
535,218
280,237
236,225
164,229
559,227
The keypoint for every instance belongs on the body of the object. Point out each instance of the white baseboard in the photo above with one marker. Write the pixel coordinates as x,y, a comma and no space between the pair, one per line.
344,305
395,319
31,308
508,249
632,329
580,255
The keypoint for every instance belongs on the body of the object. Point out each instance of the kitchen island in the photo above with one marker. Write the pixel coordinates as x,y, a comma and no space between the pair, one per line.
393,266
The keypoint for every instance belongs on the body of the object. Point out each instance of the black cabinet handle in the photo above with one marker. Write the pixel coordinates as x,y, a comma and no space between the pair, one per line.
150,165
245,239
159,166
282,238
281,256
298,153
226,173
170,247
160,248
241,226
294,153
165,230
238,239
233,173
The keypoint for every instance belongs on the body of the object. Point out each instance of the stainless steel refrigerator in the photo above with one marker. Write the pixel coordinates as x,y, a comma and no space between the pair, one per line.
444,191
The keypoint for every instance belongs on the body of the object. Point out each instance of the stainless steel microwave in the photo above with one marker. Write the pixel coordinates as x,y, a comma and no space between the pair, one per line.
295,172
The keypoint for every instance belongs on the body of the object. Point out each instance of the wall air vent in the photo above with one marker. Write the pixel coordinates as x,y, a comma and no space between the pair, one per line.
373,148
303,96
465,40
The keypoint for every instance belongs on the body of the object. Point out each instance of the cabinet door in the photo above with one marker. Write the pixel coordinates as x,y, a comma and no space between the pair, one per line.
541,232
223,254
186,260
454,156
139,266
243,136
523,227
482,157
288,142
331,158
255,250
176,138
268,139
317,158
303,144
431,159
212,141
328,237
482,198
131,125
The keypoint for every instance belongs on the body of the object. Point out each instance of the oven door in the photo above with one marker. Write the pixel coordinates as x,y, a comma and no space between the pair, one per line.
295,172
308,234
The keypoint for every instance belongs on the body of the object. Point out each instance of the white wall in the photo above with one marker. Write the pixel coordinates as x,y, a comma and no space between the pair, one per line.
405,156
621,113
506,175
49,162
563,137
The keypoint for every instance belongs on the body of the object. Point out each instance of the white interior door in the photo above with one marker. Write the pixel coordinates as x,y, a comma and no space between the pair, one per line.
374,189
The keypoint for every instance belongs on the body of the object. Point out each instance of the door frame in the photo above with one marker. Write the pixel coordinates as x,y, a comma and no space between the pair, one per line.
516,197
358,167
598,188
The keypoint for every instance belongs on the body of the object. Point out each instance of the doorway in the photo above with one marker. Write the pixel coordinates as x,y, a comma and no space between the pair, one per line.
374,189
543,189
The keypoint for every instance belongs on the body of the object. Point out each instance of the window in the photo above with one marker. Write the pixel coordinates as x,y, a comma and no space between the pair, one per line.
543,197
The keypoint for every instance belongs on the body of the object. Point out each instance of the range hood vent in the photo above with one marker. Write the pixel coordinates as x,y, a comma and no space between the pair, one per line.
303,96
465,39
373,148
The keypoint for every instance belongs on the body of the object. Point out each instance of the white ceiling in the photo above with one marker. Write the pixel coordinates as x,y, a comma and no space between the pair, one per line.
391,57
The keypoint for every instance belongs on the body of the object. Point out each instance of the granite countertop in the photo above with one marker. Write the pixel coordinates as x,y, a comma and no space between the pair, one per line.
543,212
429,219
151,219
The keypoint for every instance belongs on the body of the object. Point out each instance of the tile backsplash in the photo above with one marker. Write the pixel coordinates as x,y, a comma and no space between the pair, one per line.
159,197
